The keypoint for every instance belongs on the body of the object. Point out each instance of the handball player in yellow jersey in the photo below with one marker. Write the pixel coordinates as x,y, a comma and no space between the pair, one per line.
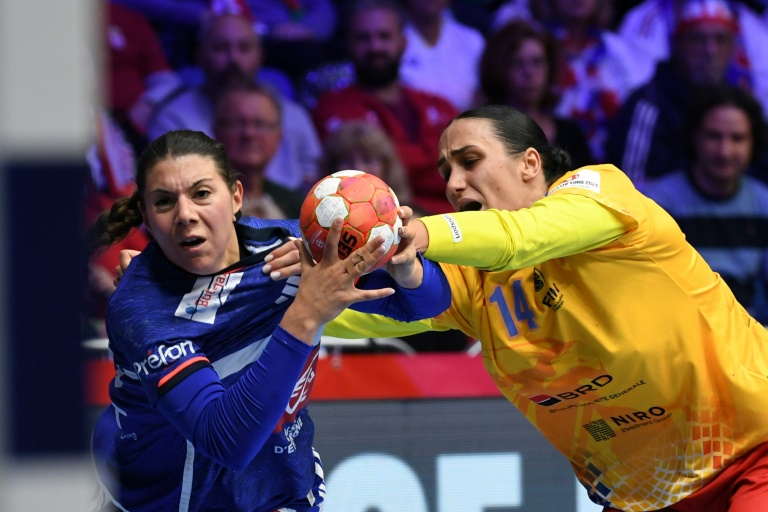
597,320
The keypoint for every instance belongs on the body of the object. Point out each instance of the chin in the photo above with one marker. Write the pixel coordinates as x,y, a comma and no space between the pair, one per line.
195,265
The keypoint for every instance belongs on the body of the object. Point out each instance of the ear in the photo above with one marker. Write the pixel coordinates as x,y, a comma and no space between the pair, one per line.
237,197
532,168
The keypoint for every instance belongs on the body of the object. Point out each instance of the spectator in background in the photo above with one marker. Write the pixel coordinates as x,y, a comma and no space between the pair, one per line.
294,20
518,68
600,70
412,119
650,26
176,22
276,20
365,147
297,34
247,121
138,73
441,54
513,10
230,54
645,138
722,211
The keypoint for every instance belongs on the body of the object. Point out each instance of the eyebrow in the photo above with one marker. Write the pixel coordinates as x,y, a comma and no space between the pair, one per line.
195,184
455,152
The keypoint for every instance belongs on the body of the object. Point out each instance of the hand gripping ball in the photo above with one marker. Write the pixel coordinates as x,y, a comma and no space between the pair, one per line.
367,205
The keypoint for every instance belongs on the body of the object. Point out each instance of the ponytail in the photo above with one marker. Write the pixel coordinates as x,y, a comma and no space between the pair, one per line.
114,224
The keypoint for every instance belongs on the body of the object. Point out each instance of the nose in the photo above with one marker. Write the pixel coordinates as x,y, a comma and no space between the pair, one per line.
455,185
186,212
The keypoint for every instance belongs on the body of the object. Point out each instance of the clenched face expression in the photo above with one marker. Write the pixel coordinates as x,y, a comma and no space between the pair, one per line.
189,209
481,174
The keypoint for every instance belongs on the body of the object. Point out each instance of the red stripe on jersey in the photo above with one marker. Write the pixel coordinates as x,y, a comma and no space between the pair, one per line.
180,369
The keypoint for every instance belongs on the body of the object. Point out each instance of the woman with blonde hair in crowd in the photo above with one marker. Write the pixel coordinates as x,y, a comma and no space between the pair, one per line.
364,146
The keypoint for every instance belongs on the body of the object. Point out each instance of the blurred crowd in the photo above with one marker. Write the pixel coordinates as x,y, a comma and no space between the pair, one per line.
673,92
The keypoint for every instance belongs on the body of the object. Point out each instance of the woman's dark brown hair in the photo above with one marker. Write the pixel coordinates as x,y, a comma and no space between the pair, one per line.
499,53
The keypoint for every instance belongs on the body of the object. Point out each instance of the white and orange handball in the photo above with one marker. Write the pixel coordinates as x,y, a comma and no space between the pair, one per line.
367,205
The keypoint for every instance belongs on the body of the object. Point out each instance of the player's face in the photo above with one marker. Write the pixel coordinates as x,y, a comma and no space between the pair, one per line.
376,44
230,52
479,172
722,145
189,209
248,124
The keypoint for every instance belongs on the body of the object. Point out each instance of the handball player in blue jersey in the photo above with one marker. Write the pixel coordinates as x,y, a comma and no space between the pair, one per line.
214,360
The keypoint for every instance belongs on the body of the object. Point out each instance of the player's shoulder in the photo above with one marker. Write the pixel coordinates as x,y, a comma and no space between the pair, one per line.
258,231
144,281
595,179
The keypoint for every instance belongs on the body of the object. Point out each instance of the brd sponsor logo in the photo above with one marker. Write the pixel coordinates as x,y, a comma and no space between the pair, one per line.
164,357
594,385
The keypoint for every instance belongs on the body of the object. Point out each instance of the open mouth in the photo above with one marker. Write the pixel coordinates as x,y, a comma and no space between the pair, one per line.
192,242
471,206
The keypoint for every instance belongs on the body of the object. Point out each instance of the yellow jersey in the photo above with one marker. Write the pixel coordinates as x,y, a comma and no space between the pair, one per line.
608,331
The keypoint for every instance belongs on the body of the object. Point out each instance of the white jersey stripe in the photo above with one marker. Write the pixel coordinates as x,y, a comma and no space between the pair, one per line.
236,361
186,483
639,140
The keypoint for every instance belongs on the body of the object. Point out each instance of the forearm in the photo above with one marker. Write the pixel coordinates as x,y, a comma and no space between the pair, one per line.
559,226
354,325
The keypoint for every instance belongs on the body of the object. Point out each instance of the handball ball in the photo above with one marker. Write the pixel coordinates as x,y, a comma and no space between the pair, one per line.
367,205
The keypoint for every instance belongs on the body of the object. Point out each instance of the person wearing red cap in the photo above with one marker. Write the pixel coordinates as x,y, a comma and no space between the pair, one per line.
645,137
